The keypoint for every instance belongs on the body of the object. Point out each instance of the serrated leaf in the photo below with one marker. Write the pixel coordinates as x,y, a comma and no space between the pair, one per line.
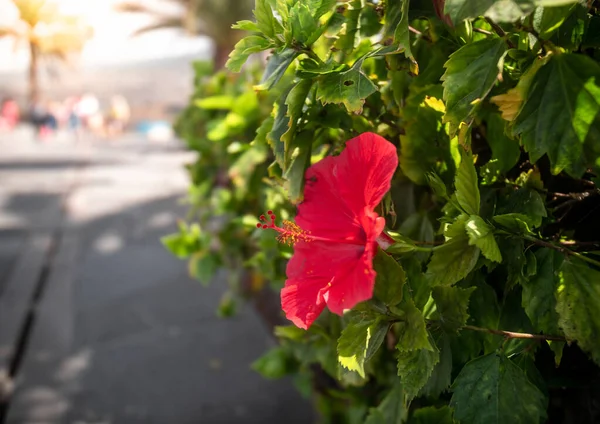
497,10
505,150
557,122
279,128
391,410
418,155
515,222
481,235
349,87
244,48
412,332
295,103
352,346
471,72
265,20
510,102
491,389
452,304
390,278
347,36
276,66
303,25
295,172
452,261
527,205
441,377
539,302
432,415
467,189
377,332
415,368
578,303
402,34
246,25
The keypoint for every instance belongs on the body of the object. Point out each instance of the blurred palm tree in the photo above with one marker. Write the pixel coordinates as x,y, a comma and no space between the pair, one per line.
47,33
212,18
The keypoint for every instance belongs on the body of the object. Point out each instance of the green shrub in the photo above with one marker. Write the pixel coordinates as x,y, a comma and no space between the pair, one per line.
486,307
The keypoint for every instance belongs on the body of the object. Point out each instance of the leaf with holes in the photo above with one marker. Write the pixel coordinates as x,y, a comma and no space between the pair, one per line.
349,87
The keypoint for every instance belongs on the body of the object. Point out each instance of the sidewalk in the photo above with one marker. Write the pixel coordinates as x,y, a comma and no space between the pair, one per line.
99,322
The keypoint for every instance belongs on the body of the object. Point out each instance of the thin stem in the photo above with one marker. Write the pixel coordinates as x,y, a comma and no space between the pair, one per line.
498,30
419,33
513,334
482,31
561,249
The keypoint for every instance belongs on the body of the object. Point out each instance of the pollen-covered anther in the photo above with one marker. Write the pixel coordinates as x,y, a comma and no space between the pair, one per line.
291,233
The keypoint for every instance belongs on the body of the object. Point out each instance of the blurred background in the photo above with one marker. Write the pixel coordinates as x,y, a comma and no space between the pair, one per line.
98,323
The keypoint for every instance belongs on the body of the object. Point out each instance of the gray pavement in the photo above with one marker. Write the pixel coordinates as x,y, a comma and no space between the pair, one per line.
98,323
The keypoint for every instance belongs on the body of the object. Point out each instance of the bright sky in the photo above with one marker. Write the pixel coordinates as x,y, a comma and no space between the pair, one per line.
112,42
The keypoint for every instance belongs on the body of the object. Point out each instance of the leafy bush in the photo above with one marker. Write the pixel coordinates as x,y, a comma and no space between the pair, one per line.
486,306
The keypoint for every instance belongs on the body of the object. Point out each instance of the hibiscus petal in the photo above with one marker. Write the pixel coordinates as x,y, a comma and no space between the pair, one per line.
364,171
324,212
310,272
340,190
352,285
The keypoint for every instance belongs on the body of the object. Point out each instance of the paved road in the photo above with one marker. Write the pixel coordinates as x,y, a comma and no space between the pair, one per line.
116,331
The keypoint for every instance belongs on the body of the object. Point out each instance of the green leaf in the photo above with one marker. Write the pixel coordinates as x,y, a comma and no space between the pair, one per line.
203,266
467,190
557,122
452,304
432,415
245,25
526,205
280,127
349,87
276,66
273,364
295,173
538,293
418,155
441,377
578,303
505,150
290,332
491,389
265,20
347,36
497,10
304,26
402,34
471,72
295,101
391,410
452,261
244,48
412,330
515,222
390,278
358,342
415,368
481,235
377,332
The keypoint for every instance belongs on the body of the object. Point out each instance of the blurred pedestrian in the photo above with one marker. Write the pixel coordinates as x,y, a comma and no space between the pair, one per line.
10,114
119,114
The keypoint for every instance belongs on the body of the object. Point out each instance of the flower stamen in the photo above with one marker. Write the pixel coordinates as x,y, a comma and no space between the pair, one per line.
289,233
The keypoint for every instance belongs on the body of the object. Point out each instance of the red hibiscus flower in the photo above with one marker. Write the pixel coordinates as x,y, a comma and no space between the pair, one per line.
336,230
